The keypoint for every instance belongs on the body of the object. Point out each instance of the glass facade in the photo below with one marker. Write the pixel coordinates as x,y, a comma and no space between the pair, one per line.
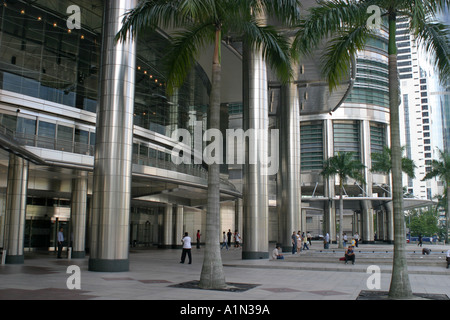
311,144
377,137
371,84
42,58
347,137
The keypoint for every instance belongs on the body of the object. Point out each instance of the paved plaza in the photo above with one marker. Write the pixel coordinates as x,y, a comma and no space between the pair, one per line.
156,274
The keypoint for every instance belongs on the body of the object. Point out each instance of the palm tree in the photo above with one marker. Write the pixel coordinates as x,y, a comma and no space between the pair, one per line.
441,168
381,162
344,165
348,23
200,23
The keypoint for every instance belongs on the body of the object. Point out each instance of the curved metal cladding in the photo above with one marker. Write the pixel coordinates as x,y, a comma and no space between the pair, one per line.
16,195
79,212
255,193
113,155
289,190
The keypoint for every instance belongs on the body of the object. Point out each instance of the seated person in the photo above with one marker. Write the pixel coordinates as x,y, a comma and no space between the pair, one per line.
276,253
426,251
350,255
448,259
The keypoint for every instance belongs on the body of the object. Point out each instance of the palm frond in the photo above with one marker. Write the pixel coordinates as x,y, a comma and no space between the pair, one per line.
327,19
434,37
184,49
275,47
338,56
150,14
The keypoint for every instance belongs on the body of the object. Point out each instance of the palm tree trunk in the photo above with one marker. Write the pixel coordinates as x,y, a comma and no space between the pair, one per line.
341,214
400,287
212,275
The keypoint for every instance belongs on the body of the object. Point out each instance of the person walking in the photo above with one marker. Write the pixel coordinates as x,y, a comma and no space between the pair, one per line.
299,242
60,242
198,239
345,239
186,248
305,241
224,241
420,241
294,242
229,234
326,241
309,238
237,239
356,237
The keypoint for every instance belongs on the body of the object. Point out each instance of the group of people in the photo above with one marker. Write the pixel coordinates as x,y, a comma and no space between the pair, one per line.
226,239
300,241
187,246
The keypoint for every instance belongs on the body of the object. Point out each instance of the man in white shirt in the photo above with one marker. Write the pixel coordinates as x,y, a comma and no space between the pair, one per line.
186,248
276,253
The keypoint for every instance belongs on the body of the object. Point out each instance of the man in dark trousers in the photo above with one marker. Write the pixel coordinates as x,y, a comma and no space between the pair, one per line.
229,234
186,248
198,239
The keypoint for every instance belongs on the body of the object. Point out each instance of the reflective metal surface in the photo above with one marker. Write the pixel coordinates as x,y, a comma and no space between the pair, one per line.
113,150
255,194
78,212
288,180
16,202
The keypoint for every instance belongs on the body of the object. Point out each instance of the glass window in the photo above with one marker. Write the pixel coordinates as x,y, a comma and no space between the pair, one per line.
64,138
347,137
46,135
10,122
26,130
81,144
311,144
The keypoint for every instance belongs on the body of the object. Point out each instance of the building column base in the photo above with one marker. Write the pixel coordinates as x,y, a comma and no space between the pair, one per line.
78,255
19,259
106,265
251,255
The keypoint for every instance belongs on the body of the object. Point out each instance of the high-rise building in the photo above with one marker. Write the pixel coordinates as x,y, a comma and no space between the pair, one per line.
87,140
421,129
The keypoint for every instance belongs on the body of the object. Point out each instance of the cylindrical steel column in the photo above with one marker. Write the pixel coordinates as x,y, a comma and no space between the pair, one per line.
390,222
114,144
16,202
78,213
367,220
179,227
255,192
288,180
168,226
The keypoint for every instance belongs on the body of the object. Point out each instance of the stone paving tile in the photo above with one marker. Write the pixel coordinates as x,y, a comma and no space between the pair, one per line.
154,272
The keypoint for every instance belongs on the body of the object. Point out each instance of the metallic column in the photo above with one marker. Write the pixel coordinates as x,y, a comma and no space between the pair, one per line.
288,180
390,222
113,150
16,202
367,220
329,185
78,212
255,192
179,227
168,226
